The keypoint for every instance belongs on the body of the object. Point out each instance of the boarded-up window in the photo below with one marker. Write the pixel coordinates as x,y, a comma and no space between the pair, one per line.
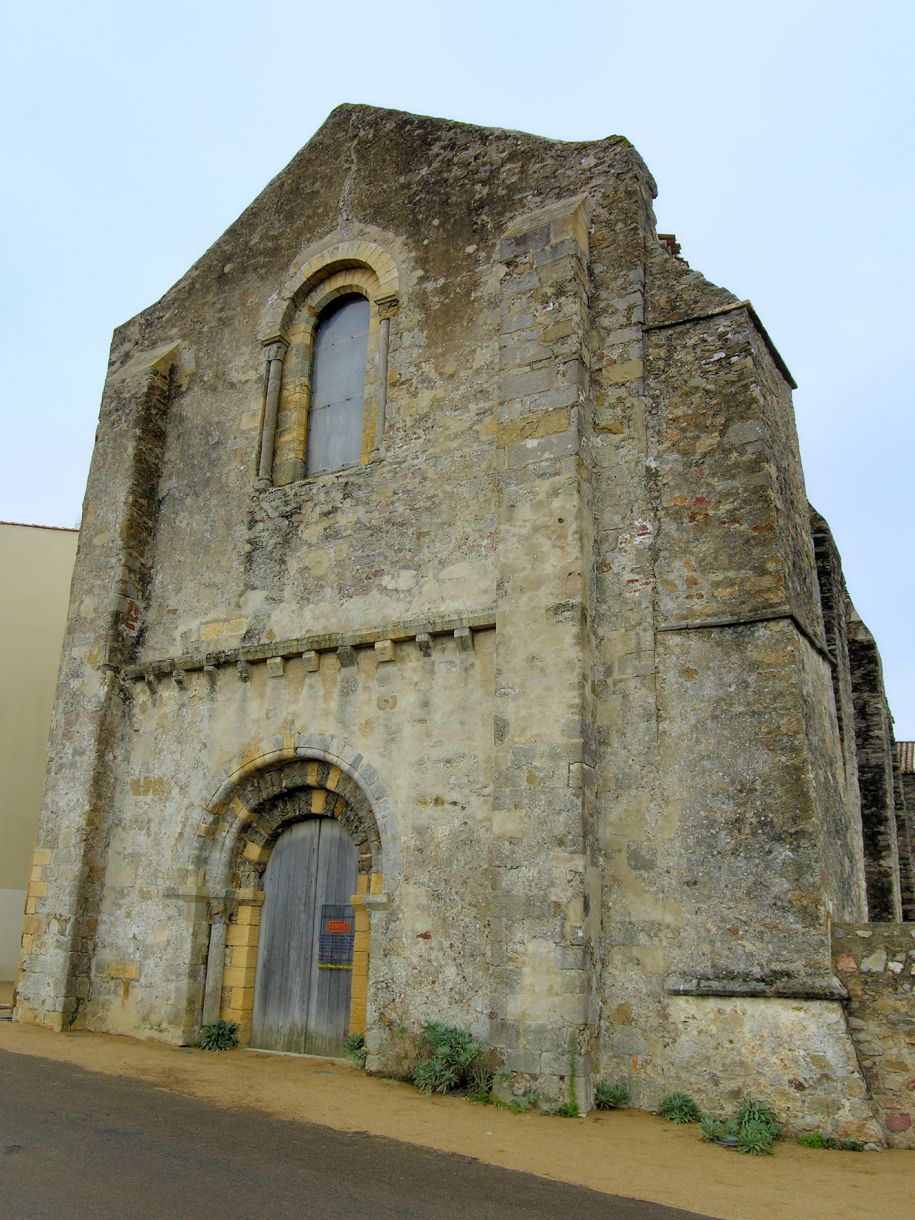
338,386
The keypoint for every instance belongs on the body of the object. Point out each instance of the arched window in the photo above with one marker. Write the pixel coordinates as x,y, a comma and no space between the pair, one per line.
325,339
335,414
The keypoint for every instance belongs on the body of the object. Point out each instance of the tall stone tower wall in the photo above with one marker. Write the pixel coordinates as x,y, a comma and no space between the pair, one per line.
553,651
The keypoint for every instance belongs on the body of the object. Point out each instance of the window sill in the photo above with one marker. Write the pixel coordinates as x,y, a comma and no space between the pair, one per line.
324,478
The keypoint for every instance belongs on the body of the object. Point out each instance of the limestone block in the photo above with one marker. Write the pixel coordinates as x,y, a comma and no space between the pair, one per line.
123,970
257,853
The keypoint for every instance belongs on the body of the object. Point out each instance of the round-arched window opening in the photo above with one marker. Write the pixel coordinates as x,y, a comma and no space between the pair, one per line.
335,416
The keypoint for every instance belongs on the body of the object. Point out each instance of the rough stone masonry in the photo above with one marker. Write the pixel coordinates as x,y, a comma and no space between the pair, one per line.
565,650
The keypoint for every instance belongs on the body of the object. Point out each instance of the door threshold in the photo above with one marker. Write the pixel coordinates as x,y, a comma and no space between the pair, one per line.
262,1050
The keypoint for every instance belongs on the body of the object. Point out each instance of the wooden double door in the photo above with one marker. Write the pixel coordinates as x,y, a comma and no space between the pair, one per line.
304,958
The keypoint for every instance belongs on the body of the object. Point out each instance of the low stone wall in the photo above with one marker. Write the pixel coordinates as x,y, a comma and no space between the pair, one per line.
876,962
792,1054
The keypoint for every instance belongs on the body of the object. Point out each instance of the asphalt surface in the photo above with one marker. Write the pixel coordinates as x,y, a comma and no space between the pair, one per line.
81,1144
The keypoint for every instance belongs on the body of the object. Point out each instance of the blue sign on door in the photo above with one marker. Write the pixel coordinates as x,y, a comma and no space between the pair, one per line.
335,943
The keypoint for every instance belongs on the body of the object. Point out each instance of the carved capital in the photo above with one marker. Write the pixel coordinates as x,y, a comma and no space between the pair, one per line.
276,347
387,307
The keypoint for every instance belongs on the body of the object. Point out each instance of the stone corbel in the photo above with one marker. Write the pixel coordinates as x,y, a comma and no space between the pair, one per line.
424,643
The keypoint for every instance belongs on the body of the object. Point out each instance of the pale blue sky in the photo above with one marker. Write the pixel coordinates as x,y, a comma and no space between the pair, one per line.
780,136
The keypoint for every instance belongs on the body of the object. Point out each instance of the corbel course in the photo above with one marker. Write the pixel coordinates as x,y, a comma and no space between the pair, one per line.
382,640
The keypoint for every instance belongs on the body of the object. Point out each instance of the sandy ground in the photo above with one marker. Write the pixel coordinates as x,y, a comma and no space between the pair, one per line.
626,1153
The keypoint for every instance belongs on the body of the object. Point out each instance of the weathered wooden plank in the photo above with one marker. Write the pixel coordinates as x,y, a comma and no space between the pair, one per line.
328,1003
297,1006
287,930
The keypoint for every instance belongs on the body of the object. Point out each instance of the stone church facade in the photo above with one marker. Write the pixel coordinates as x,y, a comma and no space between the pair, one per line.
534,609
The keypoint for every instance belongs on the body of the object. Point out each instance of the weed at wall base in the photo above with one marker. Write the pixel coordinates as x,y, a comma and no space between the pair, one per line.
218,1036
355,1049
610,1096
679,1108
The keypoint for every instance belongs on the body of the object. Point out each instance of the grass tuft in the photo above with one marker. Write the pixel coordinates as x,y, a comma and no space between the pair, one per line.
218,1036
610,1096
679,1108
355,1049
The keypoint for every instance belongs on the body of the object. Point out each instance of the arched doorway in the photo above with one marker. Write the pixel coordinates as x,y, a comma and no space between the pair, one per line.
265,795
303,983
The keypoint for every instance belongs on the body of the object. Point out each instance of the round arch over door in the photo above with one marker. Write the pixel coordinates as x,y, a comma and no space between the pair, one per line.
304,961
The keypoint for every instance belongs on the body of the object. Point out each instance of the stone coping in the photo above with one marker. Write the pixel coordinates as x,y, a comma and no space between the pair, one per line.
823,988
754,318
777,614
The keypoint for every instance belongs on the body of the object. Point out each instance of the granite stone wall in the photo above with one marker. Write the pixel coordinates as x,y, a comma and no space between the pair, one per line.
904,801
876,757
876,963
836,609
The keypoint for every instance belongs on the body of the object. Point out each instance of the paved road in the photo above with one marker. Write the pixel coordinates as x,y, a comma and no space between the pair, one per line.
81,1144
